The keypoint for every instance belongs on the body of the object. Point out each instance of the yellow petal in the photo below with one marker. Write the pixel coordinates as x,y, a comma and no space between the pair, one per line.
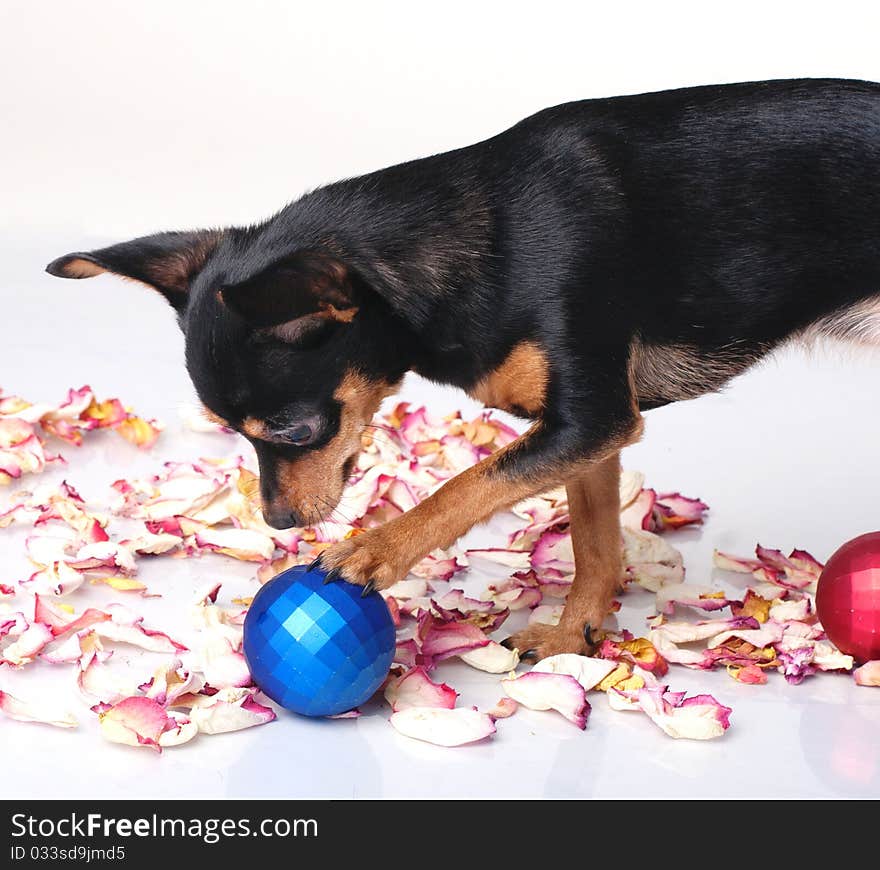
121,584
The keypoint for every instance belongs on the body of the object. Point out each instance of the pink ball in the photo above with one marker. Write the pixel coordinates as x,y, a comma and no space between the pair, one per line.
848,597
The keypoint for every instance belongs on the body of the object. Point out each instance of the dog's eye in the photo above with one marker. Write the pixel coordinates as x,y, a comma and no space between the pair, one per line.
300,435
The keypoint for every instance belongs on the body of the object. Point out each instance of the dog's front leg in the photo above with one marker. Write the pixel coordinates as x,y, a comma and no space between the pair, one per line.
544,457
594,510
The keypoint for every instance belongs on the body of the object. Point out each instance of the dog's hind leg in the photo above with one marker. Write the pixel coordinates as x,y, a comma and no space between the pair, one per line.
594,509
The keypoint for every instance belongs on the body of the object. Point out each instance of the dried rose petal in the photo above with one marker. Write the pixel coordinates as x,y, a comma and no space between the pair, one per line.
503,709
689,595
750,674
103,685
554,550
171,681
639,650
225,667
51,615
434,568
181,730
13,623
28,645
406,653
639,513
148,543
405,589
546,614
516,560
348,714
796,610
754,605
443,727
649,560
796,663
230,710
631,485
868,674
416,689
828,658
136,721
550,691
242,544
766,635
697,718
589,672
673,510
512,596
24,711
142,433
492,658
441,640
135,634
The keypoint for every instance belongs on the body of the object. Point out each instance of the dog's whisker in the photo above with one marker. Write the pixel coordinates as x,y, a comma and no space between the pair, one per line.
335,509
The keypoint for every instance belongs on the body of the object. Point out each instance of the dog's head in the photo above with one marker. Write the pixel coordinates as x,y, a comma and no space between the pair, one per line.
286,345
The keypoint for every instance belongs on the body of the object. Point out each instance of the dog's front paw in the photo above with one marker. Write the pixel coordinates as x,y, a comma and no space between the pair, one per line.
539,641
366,560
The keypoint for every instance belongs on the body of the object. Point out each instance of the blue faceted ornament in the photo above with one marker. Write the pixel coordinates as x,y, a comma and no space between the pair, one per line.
317,649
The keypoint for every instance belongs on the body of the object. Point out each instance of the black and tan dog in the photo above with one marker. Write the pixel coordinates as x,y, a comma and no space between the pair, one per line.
596,260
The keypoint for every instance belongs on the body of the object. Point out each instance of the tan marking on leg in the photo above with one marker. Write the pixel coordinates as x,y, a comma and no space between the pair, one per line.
594,510
386,554
519,383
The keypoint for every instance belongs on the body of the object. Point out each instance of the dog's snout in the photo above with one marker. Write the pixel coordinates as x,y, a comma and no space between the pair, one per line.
282,517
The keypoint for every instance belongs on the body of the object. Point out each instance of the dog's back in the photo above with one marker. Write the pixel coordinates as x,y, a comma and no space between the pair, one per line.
725,219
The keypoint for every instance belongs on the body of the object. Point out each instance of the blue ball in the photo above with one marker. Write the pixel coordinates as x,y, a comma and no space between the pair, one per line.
317,649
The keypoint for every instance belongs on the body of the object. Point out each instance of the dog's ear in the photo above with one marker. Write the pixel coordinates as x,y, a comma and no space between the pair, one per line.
166,261
296,294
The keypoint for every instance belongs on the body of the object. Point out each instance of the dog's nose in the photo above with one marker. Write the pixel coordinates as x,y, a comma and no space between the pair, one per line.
282,517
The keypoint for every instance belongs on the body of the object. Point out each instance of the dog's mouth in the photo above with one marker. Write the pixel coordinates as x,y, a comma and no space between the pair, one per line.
347,468
312,508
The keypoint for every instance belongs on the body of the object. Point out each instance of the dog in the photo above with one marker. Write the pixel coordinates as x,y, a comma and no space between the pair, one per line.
595,261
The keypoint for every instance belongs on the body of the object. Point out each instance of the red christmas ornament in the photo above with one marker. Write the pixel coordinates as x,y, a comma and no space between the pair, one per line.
848,597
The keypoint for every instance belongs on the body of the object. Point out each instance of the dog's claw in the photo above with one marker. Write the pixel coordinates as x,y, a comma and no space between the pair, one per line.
332,574
369,586
588,635
315,564
507,643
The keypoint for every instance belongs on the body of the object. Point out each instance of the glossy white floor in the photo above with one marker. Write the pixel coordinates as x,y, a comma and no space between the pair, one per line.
787,456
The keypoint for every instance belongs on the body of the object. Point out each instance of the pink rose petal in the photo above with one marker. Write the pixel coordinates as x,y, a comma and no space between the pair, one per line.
503,709
443,727
491,658
28,645
416,689
689,595
230,710
24,711
441,640
868,674
136,721
549,691
697,718
589,672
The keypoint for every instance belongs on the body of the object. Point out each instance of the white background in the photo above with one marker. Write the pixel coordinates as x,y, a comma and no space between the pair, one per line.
119,120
